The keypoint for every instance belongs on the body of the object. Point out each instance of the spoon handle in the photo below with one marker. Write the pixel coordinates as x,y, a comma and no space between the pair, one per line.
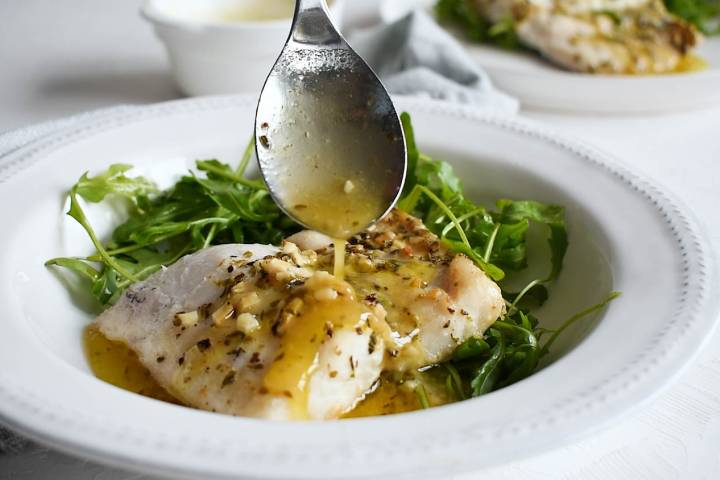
312,25
305,5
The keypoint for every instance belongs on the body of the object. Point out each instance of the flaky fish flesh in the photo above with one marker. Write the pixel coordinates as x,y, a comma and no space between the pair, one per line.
269,332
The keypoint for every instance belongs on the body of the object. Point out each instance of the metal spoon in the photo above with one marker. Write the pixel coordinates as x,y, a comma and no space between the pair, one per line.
329,142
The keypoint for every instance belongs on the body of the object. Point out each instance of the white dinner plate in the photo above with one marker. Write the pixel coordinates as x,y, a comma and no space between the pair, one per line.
625,234
538,84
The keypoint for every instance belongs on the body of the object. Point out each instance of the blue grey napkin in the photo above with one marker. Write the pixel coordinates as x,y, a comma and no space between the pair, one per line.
415,56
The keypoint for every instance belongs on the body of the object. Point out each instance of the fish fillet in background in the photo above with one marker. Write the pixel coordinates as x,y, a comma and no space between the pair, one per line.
599,36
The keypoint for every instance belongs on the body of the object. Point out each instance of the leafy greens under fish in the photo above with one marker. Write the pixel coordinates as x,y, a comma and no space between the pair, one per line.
219,204
463,14
705,14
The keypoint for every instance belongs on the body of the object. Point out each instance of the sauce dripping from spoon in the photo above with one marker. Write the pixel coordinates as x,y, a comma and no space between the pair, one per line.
329,142
339,265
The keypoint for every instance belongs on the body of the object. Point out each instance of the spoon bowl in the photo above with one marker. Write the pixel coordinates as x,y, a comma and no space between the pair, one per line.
329,142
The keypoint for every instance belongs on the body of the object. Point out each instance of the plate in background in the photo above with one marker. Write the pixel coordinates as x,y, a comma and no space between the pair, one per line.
540,85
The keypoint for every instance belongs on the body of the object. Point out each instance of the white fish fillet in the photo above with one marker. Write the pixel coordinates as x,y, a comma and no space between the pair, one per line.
267,332
213,368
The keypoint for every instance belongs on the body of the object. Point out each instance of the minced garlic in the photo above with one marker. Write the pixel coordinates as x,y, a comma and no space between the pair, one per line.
247,323
188,319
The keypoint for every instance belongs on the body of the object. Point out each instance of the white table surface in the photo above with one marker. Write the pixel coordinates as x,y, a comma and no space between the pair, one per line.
60,58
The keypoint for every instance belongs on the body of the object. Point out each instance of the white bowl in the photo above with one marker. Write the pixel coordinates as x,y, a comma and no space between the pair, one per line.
210,55
625,233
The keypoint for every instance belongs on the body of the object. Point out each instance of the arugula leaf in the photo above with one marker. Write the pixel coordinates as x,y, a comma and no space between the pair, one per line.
413,154
219,171
533,297
454,382
524,342
186,201
487,376
158,233
105,289
705,14
466,16
438,177
510,248
422,396
78,214
114,181
574,318
462,13
462,246
77,265
246,204
551,215
471,348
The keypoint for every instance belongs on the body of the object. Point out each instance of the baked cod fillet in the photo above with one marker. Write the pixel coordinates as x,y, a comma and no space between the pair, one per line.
599,36
268,332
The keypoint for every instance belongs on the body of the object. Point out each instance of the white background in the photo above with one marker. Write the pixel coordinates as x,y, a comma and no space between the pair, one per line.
63,57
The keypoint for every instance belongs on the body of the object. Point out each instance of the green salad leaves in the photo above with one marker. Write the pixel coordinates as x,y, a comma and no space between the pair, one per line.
464,14
705,14
214,206
496,240
219,204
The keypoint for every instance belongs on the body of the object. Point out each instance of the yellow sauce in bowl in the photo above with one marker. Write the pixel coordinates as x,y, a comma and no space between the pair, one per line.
289,375
692,63
258,10
118,365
